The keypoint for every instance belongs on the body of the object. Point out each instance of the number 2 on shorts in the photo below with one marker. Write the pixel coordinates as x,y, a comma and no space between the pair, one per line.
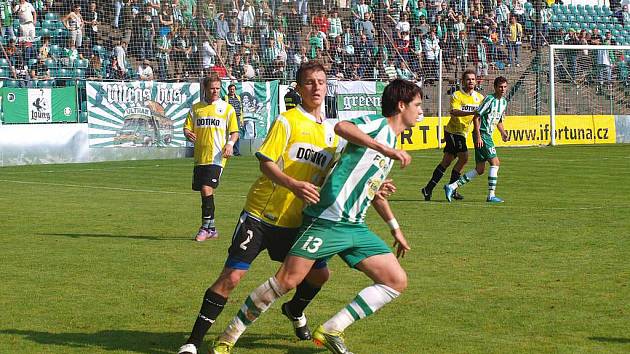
312,244
250,234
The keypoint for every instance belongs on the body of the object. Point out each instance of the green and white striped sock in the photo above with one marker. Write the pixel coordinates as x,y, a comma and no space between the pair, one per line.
465,178
368,301
493,173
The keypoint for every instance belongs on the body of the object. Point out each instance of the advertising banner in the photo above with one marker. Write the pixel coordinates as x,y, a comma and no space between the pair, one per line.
358,98
141,113
39,105
260,106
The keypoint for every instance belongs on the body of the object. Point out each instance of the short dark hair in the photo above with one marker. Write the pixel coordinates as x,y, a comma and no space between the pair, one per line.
313,65
468,72
398,90
499,80
212,77
231,85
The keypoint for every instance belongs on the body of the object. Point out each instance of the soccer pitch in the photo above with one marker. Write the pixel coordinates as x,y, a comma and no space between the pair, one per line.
99,258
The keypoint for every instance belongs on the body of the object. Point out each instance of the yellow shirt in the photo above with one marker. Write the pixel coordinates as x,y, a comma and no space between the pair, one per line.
516,32
467,103
211,123
304,150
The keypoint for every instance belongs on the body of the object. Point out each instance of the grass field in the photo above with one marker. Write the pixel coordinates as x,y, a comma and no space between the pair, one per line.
98,258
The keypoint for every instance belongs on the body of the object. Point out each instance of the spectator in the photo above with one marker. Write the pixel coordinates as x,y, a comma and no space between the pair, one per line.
335,25
166,20
317,40
367,27
423,28
145,71
118,6
358,13
178,16
39,71
247,15
164,48
514,42
116,70
208,54
6,19
432,52
208,12
321,22
461,52
248,70
234,43
222,30
94,70
518,10
294,31
147,31
237,67
71,54
482,60
625,15
405,73
546,13
152,8
477,5
390,70
502,14
120,53
604,66
302,7
44,49
235,100
128,21
403,25
28,18
181,54
91,23
73,22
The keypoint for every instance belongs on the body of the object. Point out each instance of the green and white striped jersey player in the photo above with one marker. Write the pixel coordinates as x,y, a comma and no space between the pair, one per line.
336,223
489,115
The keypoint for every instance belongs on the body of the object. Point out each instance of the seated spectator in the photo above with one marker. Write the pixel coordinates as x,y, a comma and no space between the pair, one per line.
95,68
44,50
115,70
405,73
145,71
70,54
39,71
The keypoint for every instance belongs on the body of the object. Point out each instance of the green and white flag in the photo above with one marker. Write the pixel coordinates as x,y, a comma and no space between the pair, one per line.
358,98
42,105
141,113
260,106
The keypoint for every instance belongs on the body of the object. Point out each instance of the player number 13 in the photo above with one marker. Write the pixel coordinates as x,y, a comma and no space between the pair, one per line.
312,244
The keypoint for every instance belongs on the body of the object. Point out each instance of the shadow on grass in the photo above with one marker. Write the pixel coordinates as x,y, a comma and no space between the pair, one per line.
94,235
611,340
151,342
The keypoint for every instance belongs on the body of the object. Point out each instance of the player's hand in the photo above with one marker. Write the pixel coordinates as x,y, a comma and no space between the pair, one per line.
192,137
228,150
478,141
505,137
400,243
400,155
306,191
387,188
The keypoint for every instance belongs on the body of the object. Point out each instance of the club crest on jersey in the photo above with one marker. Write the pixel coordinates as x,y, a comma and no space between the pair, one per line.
373,185
310,154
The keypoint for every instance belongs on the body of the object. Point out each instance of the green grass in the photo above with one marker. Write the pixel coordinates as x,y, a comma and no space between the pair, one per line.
112,269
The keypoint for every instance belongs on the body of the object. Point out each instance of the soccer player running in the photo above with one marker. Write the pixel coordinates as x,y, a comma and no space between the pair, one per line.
336,223
294,159
464,103
490,115
206,126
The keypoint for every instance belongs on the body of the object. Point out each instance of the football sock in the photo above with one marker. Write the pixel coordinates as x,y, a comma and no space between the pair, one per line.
438,173
454,176
207,212
304,294
493,173
211,307
368,301
465,178
255,305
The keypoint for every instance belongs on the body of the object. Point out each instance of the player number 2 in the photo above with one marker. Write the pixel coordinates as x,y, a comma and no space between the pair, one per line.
312,244
250,234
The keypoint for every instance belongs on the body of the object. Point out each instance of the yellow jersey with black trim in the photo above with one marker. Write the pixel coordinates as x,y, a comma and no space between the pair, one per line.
303,149
462,101
212,123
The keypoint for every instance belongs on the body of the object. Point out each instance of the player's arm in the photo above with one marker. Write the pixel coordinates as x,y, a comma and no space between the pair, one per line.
381,205
504,134
353,134
228,149
476,131
188,127
456,107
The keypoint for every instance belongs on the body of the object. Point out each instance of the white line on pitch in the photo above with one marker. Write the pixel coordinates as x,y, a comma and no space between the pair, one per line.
93,187
87,169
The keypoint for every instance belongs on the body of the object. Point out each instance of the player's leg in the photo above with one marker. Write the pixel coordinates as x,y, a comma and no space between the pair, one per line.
493,173
206,180
480,159
450,153
246,245
456,172
371,256
291,273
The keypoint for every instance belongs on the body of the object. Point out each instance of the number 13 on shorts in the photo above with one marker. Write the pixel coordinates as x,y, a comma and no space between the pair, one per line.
312,244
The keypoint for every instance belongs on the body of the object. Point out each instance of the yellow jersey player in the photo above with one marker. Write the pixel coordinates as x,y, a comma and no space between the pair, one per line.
464,103
207,126
294,159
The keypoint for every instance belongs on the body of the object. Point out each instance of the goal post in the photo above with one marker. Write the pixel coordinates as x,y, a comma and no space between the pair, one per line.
588,79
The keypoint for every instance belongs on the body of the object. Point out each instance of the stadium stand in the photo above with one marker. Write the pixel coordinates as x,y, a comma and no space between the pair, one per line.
259,40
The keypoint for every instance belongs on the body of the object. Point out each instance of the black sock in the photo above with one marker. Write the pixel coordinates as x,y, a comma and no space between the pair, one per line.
454,176
211,307
303,296
438,173
207,212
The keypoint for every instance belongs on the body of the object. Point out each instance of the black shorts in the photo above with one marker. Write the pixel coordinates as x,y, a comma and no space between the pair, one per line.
253,236
454,143
206,175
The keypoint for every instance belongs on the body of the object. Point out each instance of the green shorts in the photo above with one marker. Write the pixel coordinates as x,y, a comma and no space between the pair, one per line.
320,239
487,151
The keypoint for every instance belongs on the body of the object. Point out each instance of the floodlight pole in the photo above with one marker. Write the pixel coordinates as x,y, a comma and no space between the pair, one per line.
439,129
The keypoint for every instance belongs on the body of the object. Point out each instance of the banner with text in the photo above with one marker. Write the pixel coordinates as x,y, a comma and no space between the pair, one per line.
259,102
140,113
42,105
358,98
523,131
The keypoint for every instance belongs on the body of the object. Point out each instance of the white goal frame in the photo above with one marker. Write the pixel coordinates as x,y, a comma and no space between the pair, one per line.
552,76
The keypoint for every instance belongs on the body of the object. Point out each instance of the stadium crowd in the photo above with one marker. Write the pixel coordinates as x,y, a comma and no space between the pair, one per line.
253,39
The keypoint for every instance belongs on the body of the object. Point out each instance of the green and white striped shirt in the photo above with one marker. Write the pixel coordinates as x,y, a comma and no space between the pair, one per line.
491,110
351,185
